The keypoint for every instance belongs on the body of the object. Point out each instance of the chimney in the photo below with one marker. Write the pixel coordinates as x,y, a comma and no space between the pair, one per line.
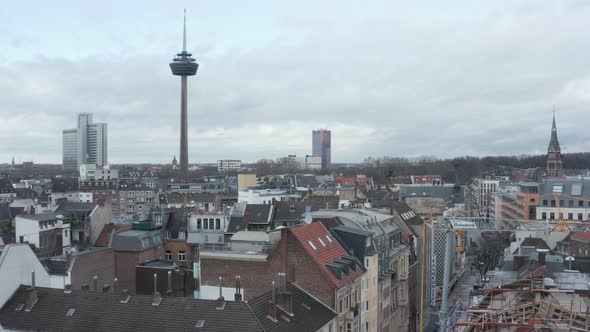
126,296
542,256
157,298
169,291
272,307
220,299
85,287
115,284
284,300
95,284
106,288
238,295
31,294
67,289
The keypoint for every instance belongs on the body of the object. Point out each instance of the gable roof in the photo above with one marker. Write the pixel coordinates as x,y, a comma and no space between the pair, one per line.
309,313
582,236
535,242
325,251
6,186
95,311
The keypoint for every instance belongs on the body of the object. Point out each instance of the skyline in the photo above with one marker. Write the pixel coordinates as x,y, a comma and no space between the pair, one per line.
446,85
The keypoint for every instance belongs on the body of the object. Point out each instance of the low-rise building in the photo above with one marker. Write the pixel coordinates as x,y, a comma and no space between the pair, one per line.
49,233
227,165
7,191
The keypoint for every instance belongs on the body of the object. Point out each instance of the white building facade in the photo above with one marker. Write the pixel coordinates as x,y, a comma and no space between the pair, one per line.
85,144
227,165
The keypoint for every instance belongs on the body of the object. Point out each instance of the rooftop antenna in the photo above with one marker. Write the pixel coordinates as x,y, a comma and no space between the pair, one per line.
184,34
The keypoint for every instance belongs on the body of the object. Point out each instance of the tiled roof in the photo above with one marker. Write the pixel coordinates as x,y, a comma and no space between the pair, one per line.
533,242
105,312
258,213
581,236
309,314
69,207
136,240
236,224
104,238
325,250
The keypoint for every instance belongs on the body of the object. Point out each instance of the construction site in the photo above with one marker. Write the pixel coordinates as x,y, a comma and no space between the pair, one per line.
535,285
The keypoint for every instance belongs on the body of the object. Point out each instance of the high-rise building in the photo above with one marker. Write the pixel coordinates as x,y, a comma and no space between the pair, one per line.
322,146
183,65
85,144
554,163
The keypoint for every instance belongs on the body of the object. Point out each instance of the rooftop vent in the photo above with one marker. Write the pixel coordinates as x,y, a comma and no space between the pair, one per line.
20,307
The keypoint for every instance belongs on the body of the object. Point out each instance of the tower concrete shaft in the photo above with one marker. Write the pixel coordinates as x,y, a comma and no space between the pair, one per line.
183,126
184,65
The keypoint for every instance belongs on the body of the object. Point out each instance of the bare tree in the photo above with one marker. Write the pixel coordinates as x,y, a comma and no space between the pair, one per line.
486,260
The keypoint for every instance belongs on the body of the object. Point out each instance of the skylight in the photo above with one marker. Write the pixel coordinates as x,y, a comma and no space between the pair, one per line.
70,312
200,323
312,245
329,238
322,242
19,307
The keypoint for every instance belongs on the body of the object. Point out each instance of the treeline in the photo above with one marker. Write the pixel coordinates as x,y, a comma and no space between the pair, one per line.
461,169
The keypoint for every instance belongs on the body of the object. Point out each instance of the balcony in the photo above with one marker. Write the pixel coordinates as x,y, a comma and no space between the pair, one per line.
352,313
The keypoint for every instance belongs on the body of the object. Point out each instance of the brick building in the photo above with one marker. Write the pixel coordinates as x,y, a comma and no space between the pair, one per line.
133,247
310,256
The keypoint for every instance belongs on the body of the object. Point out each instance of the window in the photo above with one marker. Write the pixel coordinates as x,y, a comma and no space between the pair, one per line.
570,216
553,203
544,202
217,224
312,245
199,224
340,306
348,327
561,202
367,326
570,203
580,216
211,223
322,242
557,188
168,256
181,256
544,215
367,263
580,203
367,305
552,216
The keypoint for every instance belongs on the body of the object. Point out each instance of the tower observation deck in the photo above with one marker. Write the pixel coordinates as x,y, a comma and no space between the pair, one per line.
183,65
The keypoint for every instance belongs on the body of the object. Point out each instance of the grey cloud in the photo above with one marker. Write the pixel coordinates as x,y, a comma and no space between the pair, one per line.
400,84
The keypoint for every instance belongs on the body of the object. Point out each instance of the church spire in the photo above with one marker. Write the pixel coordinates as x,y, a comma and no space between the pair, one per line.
554,142
554,162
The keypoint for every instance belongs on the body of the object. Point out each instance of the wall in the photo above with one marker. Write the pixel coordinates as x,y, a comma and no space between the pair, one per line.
126,261
256,277
16,264
370,300
100,216
246,180
86,265
28,229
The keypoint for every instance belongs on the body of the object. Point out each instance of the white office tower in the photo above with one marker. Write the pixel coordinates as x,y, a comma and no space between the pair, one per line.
86,144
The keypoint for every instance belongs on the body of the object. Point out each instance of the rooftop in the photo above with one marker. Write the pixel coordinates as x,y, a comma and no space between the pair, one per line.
89,311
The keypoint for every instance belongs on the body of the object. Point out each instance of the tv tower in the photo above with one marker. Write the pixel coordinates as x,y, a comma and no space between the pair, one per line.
183,65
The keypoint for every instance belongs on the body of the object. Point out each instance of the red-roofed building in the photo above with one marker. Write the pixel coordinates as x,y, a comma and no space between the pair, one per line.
354,180
427,179
104,238
311,257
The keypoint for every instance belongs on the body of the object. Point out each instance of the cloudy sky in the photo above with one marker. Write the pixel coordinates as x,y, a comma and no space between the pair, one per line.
442,78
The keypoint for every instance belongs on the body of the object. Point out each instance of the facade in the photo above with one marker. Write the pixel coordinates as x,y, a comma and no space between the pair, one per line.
322,146
478,192
136,200
566,199
87,172
225,166
507,208
263,196
107,173
47,232
313,162
246,181
554,162
86,144
133,247
7,191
